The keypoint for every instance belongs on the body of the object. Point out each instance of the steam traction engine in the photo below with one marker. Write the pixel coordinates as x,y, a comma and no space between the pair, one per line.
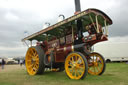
67,44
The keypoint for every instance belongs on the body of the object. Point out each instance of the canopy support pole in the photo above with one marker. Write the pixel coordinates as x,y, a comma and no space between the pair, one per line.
106,28
30,43
92,22
97,24
47,37
26,44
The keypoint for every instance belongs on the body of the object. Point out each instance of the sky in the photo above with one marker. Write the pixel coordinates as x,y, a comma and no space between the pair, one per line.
18,16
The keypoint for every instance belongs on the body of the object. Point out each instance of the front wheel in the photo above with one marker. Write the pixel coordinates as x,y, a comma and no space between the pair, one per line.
34,60
76,66
97,64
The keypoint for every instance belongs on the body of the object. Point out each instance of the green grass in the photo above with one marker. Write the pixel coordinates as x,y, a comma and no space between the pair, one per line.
115,74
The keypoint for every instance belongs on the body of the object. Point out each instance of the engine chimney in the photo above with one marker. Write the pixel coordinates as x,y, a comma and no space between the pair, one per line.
77,6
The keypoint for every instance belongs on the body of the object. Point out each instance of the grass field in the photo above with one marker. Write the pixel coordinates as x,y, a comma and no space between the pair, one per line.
115,74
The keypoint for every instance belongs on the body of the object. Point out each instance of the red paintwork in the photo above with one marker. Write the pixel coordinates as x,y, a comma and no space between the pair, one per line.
62,52
102,38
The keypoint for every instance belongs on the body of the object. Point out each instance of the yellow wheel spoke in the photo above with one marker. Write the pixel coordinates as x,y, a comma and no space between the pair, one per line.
94,69
70,65
78,73
76,58
30,66
75,74
81,70
72,59
28,61
72,70
37,59
98,69
82,67
35,54
32,52
79,61
36,66
37,63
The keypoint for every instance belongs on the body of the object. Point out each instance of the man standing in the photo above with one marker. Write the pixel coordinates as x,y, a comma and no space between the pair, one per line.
2,63
21,62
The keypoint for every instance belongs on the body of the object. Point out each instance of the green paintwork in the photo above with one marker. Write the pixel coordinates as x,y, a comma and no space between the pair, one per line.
57,30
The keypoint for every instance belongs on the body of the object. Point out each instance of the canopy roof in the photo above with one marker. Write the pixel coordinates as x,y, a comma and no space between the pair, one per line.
57,29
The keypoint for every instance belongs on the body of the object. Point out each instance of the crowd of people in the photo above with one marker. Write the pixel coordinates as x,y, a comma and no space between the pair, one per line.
2,64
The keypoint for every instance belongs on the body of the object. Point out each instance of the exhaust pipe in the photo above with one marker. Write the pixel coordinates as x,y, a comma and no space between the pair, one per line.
77,6
79,22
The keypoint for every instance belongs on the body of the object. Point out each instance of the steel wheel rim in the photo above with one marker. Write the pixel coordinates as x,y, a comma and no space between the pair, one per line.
75,66
32,61
97,66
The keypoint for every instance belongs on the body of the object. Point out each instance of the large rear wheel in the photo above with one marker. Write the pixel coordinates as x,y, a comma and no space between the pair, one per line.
76,66
34,60
97,64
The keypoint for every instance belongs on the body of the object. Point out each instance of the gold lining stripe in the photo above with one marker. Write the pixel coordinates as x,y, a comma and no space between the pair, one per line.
64,49
72,48
58,49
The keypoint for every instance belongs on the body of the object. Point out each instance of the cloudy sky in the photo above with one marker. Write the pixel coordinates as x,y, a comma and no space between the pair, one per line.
17,16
